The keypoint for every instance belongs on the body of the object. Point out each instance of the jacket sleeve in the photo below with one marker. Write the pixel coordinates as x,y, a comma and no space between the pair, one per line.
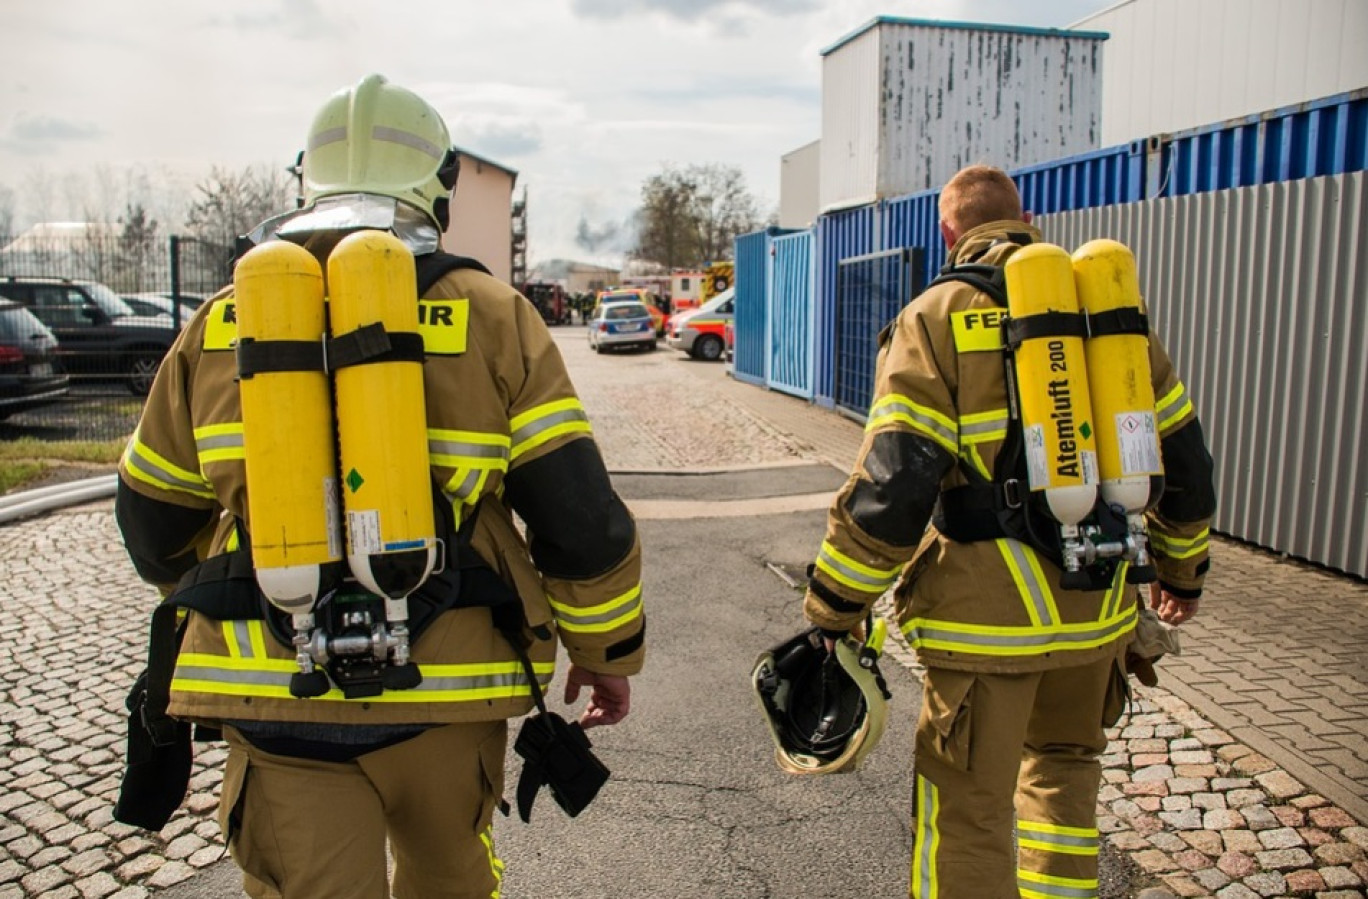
878,518
1180,523
165,508
581,535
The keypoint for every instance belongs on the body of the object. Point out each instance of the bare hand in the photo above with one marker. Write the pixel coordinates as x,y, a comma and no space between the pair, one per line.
609,699
1169,608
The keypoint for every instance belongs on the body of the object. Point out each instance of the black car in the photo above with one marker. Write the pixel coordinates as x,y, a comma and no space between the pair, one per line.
30,372
99,336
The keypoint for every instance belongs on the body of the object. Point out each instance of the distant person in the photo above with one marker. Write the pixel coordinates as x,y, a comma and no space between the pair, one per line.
1023,676
314,788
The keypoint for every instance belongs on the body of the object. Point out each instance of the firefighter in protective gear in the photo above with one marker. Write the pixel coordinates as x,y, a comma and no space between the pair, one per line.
315,787
1023,676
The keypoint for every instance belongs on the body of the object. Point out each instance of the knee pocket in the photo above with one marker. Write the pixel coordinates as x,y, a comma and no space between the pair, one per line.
1117,696
947,717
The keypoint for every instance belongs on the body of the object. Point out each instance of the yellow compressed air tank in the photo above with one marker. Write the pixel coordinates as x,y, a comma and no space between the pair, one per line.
287,426
1119,378
1052,383
382,419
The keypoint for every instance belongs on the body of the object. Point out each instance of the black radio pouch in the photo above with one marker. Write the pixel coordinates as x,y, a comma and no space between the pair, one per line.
557,754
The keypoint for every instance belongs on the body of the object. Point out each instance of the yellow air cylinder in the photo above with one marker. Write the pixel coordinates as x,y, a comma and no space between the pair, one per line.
1052,385
287,428
1119,379
382,420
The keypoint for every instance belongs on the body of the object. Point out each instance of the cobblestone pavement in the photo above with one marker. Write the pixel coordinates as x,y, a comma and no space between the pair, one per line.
1244,775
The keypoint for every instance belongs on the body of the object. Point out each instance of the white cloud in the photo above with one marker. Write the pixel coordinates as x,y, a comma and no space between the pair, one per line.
584,98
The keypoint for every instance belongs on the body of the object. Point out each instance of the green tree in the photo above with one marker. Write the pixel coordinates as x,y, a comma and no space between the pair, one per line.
228,204
691,216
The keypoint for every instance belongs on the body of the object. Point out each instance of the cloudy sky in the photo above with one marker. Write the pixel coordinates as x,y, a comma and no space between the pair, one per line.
104,102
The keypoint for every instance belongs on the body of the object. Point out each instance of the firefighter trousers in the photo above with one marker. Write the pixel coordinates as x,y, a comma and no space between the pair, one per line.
998,750
304,829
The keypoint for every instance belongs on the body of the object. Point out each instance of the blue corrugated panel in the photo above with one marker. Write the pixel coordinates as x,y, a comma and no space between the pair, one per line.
749,325
1099,178
1323,137
840,235
791,311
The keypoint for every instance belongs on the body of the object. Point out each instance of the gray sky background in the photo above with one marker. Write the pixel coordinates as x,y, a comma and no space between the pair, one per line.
104,102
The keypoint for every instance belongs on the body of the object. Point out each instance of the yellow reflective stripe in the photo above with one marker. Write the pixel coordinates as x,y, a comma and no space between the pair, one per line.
1171,409
895,408
219,443
998,640
925,883
1181,547
981,427
1031,585
142,464
1057,838
496,865
256,631
546,422
970,454
855,575
1111,603
1047,886
468,449
230,639
603,617
270,678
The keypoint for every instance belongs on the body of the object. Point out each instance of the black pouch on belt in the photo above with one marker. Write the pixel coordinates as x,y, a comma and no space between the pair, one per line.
157,775
558,755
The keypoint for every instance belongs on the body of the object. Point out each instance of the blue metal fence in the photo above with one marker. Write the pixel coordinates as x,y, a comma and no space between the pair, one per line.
870,292
750,325
840,235
791,313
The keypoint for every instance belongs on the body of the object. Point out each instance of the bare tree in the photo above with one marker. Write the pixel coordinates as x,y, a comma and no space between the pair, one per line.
691,217
230,203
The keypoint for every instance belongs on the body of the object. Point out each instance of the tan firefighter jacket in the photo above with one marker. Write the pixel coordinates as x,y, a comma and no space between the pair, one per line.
993,605
503,425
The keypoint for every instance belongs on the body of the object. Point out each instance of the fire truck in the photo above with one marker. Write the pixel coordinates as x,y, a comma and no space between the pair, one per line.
550,300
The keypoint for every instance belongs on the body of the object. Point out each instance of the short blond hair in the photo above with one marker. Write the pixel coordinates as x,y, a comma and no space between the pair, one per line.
977,195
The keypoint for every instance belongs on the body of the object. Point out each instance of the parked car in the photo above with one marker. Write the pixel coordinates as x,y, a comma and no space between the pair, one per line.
637,295
99,336
701,332
153,304
550,300
30,373
621,324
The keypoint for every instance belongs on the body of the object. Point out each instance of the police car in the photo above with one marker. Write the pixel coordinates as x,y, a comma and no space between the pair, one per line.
618,324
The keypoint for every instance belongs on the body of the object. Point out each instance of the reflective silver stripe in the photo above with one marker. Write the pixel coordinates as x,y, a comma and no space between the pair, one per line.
918,415
1032,590
463,490
1070,888
979,427
242,638
146,469
844,571
331,136
546,422
1047,834
463,449
924,883
1005,640
280,678
605,616
407,139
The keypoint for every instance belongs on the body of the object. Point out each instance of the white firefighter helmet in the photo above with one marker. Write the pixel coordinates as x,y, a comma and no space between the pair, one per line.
380,139
825,711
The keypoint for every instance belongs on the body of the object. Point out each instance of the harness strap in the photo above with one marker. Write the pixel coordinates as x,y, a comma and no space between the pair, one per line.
256,357
1121,320
1043,324
372,343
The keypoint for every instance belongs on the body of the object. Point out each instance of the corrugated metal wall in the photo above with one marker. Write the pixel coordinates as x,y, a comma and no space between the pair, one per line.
1175,64
1261,295
791,311
840,235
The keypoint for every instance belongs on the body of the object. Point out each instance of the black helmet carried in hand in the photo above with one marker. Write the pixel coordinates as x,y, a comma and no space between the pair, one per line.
825,711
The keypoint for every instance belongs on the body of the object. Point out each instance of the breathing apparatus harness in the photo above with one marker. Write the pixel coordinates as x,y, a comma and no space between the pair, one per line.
354,646
1005,506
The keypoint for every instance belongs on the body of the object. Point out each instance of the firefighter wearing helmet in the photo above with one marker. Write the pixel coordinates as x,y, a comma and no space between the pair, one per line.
323,487
1020,597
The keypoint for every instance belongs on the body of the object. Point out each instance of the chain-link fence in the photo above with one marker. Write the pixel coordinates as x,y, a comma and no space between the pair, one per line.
86,314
